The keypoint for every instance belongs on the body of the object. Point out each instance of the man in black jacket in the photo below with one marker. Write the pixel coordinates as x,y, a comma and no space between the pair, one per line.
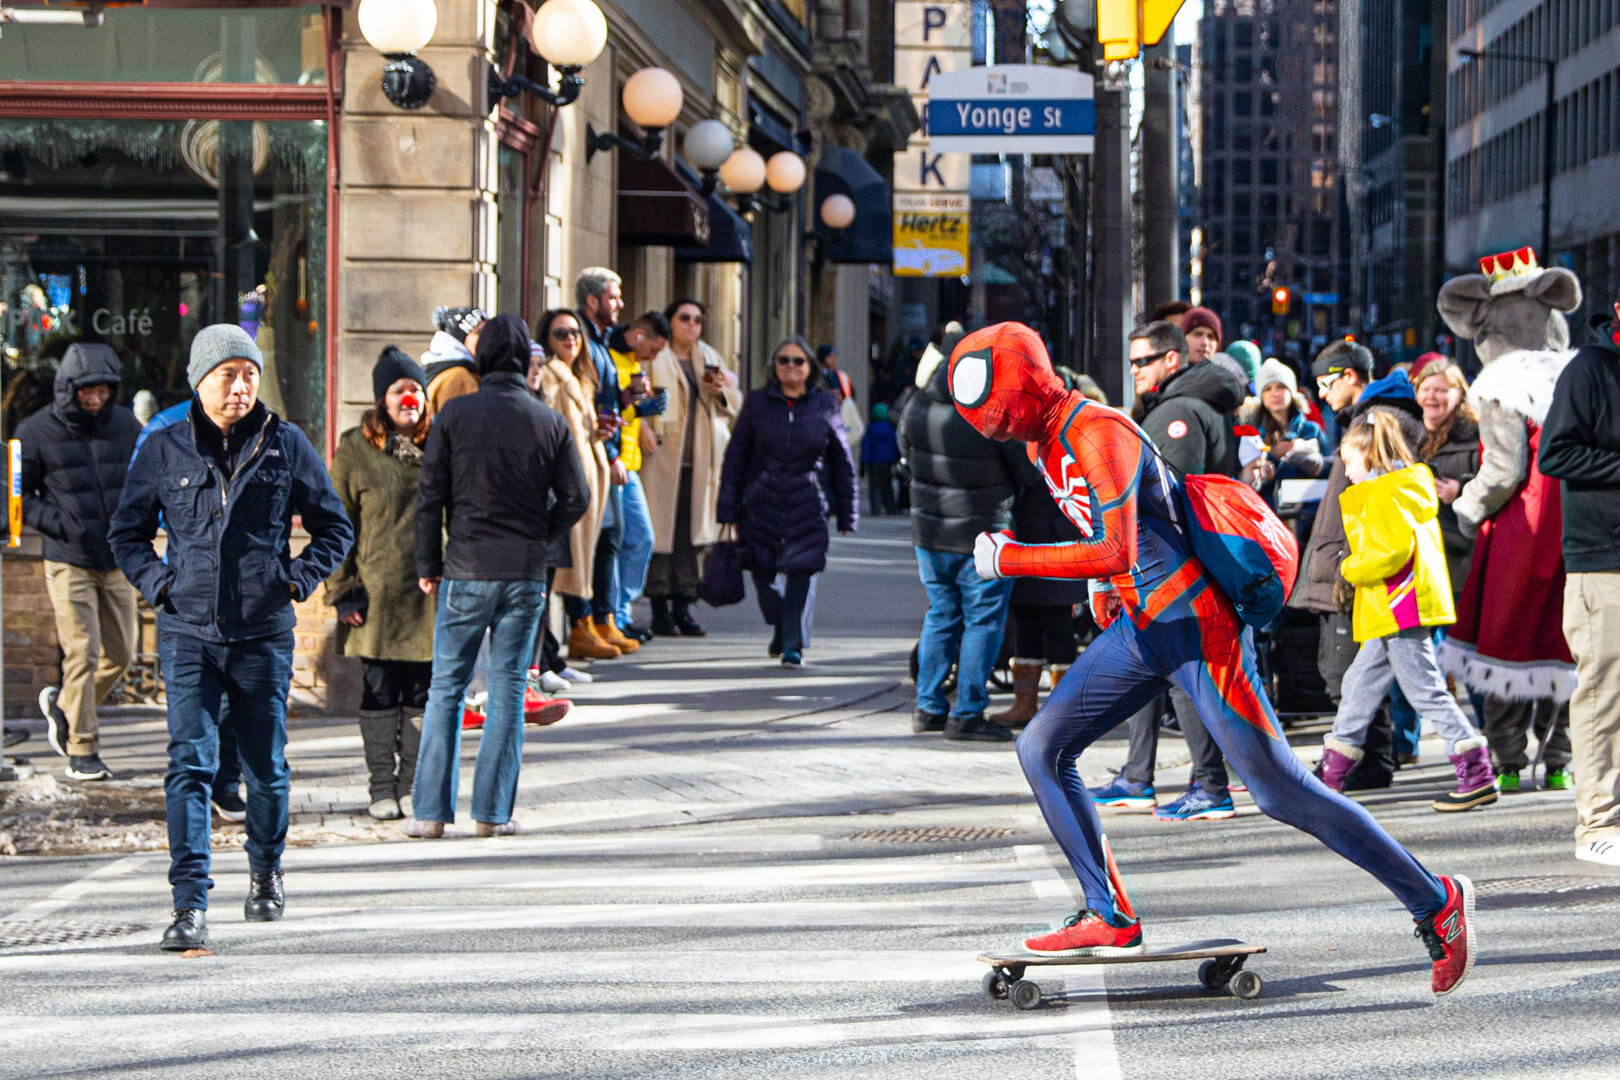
501,478
1580,445
962,484
226,483
75,453
1188,416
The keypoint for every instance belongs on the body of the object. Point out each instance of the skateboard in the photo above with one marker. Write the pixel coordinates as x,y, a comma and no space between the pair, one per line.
1222,968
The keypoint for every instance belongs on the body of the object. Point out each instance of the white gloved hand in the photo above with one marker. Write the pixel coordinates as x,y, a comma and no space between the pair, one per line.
987,554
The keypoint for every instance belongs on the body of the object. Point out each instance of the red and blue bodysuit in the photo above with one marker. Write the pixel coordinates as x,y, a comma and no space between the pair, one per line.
1175,625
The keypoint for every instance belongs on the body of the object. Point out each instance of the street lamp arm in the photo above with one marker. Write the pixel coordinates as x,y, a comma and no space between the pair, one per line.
569,84
597,141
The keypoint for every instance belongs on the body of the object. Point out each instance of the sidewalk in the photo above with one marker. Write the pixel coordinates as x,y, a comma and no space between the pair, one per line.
687,730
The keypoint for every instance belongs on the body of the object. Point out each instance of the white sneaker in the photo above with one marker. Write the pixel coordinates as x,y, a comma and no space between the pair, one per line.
575,675
552,683
1604,852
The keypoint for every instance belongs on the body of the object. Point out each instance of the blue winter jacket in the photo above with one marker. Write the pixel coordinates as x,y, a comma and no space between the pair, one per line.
230,574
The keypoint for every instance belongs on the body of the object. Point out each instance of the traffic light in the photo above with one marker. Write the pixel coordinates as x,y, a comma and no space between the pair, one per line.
1124,26
1280,301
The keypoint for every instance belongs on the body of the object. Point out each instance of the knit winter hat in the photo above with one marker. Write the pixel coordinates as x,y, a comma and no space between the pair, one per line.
216,344
393,365
1247,353
1201,316
1275,371
458,322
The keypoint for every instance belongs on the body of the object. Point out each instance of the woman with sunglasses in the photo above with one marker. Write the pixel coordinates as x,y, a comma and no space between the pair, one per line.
788,448
566,376
682,476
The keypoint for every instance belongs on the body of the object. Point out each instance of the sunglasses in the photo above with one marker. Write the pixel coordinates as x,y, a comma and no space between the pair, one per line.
1325,383
791,360
689,318
1144,361
563,334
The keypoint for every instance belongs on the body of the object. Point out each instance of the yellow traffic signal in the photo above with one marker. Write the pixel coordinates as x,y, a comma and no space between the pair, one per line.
1124,26
1280,301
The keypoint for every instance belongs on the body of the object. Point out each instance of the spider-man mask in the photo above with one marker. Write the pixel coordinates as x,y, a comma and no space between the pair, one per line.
1002,382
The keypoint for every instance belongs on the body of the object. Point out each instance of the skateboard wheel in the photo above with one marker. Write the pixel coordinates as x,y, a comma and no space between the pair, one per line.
1245,985
995,987
1213,974
1025,994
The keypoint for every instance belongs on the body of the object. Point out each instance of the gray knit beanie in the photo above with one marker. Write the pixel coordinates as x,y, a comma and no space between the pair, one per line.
216,344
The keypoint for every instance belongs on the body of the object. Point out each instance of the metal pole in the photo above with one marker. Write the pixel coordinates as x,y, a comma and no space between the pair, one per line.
1161,262
1109,362
1547,162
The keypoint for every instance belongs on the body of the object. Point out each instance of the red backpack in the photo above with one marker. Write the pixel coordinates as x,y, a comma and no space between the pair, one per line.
1243,545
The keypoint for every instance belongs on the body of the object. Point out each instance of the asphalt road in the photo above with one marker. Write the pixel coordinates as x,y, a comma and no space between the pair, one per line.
778,932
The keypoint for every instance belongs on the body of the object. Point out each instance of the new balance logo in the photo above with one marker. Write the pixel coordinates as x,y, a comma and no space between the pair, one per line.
1451,928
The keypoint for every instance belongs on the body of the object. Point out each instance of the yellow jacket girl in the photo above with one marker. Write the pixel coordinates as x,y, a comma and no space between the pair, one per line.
1397,556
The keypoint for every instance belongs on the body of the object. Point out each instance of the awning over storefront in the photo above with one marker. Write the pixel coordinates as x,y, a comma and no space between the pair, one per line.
656,207
841,171
731,239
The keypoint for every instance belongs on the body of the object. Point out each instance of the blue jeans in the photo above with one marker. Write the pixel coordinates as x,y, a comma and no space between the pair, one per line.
203,678
966,620
510,611
635,548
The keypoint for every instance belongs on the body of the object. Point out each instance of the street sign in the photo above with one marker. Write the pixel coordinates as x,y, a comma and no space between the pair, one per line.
1012,109
931,235
1325,299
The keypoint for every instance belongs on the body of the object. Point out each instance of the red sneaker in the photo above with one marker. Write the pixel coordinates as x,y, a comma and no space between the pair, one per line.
1449,935
471,718
1087,933
540,711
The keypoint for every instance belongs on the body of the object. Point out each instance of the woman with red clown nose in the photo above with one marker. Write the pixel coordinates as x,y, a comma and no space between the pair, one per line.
1165,622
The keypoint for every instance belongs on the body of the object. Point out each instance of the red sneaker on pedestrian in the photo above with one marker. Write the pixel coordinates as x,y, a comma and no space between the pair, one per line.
1449,935
471,719
540,710
1087,933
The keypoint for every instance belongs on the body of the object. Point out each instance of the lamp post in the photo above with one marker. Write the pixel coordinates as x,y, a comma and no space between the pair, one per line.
399,29
1549,113
708,147
838,212
567,34
652,100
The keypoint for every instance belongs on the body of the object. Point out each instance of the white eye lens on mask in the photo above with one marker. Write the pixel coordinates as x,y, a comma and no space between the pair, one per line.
970,381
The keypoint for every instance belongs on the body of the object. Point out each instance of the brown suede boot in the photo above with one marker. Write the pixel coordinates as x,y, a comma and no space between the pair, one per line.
1058,671
608,630
1026,693
585,643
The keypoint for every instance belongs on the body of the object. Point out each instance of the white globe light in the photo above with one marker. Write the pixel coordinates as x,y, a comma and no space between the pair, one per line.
652,98
785,172
744,171
568,33
398,26
708,145
838,211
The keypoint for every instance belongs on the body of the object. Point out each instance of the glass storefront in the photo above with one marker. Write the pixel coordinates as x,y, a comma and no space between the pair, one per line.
137,233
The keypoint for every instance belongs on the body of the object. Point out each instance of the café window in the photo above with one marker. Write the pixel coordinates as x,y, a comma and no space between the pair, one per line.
139,233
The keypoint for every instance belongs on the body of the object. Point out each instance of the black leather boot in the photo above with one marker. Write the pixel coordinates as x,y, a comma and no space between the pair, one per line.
688,626
662,624
188,931
264,899
976,729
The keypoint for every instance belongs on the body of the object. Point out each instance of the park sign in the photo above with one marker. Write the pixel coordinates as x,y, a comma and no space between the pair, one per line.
1012,109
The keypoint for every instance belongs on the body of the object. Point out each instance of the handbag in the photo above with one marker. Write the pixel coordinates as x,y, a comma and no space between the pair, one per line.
722,583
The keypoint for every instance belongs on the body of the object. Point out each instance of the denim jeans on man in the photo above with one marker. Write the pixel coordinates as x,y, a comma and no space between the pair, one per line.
201,677
635,549
966,620
510,611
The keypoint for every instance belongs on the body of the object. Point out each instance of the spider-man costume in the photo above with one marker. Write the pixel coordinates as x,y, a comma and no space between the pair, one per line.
1177,627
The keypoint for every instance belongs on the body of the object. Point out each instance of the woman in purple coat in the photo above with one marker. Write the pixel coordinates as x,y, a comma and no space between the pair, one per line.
787,468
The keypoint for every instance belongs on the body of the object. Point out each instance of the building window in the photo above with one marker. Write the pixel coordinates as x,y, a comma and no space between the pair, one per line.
138,233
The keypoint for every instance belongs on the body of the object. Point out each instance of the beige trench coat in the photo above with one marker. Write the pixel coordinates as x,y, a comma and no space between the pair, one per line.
661,469
567,395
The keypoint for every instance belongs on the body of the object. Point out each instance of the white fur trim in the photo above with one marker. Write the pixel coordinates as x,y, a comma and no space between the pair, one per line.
1506,680
1521,381
1465,745
1354,753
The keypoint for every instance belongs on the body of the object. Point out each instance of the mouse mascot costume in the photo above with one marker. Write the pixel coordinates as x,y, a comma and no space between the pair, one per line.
1166,622
1508,642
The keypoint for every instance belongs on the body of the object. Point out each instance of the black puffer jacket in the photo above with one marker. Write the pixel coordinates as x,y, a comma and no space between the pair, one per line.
1190,420
74,463
962,484
1457,459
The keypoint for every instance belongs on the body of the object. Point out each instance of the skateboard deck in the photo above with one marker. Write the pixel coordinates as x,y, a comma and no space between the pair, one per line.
1222,968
